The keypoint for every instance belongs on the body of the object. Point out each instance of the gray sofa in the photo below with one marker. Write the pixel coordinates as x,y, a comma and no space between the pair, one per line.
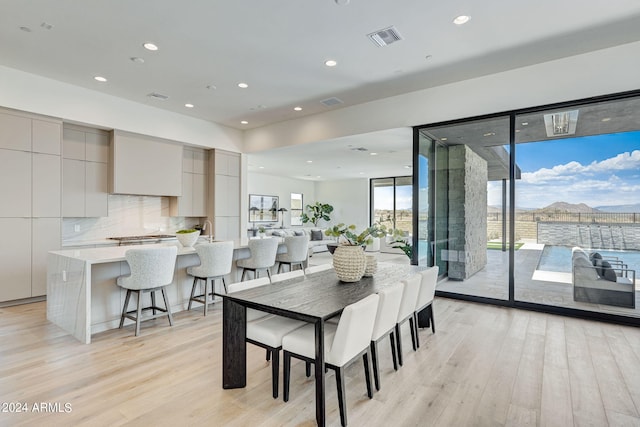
600,280
317,239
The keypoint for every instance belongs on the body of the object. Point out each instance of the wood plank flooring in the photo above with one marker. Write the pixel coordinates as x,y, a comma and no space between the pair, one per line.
485,366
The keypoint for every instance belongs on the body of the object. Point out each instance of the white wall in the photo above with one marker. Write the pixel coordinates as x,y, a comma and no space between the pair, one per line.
595,73
36,94
349,198
282,187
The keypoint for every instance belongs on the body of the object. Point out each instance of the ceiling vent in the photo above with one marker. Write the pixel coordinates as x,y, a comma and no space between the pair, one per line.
385,37
159,96
360,149
561,124
330,102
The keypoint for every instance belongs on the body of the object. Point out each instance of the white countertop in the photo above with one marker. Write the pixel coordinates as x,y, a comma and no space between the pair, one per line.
116,253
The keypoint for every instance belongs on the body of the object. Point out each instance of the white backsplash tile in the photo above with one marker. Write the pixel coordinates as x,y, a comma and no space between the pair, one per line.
128,216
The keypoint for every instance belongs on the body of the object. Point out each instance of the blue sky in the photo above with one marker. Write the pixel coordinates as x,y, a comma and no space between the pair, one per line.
596,170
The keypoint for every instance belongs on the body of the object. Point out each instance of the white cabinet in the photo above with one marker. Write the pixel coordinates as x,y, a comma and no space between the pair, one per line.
193,202
46,185
15,132
46,234
45,136
15,185
85,172
15,259
226,194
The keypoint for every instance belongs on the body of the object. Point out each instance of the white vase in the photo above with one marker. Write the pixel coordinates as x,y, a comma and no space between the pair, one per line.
371,265
188,239
349,262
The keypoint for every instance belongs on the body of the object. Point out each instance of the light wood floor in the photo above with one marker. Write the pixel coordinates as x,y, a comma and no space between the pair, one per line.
485,366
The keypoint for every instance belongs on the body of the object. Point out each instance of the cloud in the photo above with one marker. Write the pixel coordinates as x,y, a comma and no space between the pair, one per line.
571,171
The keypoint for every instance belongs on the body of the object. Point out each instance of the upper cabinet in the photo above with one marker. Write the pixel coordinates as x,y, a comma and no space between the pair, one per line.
193,201
144,165
85,190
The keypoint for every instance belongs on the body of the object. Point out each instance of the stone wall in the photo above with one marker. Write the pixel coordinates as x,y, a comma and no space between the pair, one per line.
467,252
594,236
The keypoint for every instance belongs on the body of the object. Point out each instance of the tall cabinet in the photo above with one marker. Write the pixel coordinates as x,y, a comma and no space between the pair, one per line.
193,202
30,212
224,194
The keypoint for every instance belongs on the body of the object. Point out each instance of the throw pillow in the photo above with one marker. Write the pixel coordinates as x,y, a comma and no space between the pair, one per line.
298,232
607,272
316,234
277,233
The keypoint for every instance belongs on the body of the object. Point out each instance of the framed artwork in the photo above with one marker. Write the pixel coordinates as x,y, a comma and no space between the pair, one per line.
263,208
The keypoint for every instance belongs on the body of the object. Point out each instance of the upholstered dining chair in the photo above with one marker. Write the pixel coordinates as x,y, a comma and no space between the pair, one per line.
216,261
297,252
152,269
262,257
266,331
425,299
407,311
344,343
386,317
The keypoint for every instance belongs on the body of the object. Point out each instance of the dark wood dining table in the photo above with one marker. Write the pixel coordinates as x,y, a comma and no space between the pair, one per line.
313,298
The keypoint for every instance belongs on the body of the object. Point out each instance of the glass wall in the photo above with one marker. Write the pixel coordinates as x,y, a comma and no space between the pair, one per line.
391,200
535,208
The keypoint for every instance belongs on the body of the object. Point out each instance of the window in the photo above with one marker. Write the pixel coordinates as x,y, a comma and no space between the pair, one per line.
296,208
391,201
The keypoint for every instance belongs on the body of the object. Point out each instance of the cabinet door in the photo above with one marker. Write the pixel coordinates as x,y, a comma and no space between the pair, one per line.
46,136
185,202
46,185
200,161
221,189
97,147
73,176
199,195
96,189
15,185
15,259
73,144
15,132
233,164
233,196
46,237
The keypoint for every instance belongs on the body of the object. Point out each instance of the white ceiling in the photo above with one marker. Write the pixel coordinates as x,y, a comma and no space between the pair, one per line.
278,47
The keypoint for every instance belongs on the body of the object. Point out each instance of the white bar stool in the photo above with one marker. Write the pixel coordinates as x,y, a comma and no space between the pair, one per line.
216,260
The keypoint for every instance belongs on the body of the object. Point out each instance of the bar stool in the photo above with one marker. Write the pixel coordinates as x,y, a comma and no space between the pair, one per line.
216,260
297,252
151,270
263,257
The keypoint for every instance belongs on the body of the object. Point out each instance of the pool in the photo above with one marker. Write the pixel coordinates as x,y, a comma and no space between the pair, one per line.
558,258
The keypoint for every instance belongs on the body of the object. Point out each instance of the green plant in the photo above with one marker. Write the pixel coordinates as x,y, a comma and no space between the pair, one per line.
186,231
316,212
400,242
260,229
363,238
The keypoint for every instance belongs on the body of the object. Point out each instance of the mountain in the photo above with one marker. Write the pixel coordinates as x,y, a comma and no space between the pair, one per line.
620,208
565,207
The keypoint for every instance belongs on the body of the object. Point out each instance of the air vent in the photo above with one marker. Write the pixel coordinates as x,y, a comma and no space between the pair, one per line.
330,102
385,37
360,149
158,96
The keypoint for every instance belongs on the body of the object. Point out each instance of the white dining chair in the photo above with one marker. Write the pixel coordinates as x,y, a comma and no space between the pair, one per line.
385,323
216,261
266,330
263,257
343,344
297,252
152,270
407,311
425,299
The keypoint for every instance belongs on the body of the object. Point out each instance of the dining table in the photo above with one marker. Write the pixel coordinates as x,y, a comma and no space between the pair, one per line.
313,298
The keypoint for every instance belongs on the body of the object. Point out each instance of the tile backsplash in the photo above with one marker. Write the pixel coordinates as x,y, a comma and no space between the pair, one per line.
128,216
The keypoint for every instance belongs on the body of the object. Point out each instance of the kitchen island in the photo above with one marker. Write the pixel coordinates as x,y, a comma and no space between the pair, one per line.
82,295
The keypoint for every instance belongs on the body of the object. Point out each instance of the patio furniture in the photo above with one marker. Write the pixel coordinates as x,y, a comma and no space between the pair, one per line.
603,283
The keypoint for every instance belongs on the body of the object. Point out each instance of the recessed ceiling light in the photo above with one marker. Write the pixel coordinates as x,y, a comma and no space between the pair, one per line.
517,130
525,123
243,85
489,134
330,63
309,161
150,46
188,105
443,139
100,79
260,167
244,122
361,173
462,19
606,119
297,108
373,154
137,60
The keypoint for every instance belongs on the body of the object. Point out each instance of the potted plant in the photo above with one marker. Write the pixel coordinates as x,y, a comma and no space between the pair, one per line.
261,231
188,237
316,212
349,260
399,241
